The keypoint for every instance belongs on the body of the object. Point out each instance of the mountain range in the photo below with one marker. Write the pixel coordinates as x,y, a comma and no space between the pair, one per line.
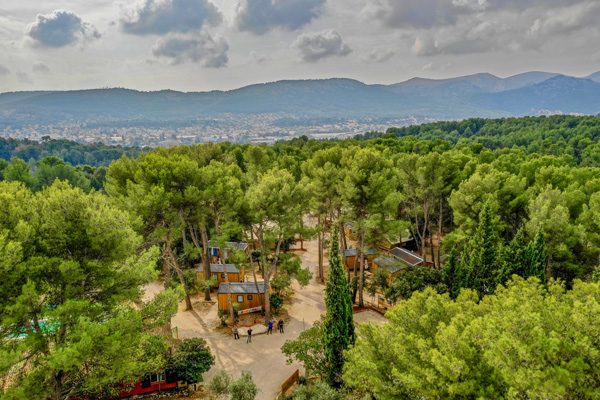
479,95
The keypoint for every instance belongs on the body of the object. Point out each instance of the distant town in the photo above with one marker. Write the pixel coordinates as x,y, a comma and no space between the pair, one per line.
254,129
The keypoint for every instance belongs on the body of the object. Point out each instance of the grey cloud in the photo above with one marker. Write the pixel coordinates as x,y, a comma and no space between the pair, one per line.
317,46
378,55
209,52
163,16
23,77
40,67
61,28
417,13
260,16
4,70
528,29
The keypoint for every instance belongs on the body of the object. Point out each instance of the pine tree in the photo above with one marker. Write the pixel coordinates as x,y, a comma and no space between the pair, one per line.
515,259
338,330
450,274
537,257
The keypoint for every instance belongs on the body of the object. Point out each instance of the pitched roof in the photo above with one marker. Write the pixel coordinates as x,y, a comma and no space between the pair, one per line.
388,263
406,256
241,288
371,251
231,245
218,268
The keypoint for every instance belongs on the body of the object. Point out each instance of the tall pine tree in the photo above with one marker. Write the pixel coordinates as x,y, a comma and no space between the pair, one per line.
536,251
515,258
338,330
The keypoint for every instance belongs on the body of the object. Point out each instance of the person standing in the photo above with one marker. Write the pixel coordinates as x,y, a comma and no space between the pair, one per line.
236,334
280,326
270,329
249,336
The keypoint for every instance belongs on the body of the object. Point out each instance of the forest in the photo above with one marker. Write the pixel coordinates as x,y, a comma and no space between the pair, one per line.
506,210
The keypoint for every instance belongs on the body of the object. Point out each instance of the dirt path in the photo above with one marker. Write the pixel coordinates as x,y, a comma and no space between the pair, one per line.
263,356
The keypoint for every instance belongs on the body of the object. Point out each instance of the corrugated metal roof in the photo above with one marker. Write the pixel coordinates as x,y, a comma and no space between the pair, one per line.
231,245
406,256
218,268
371,251
241,288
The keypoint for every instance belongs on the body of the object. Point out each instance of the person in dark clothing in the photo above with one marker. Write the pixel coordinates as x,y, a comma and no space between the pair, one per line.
236,334
270,330
280,326
249,336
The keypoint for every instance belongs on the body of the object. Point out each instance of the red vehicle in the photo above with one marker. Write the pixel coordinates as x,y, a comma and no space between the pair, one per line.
151,383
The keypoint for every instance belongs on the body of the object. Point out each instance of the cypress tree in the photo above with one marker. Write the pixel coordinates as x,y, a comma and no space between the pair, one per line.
338,330
484,254
450,274
515,258
537,257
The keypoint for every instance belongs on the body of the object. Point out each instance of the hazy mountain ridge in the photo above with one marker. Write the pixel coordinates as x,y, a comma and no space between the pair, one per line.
481,95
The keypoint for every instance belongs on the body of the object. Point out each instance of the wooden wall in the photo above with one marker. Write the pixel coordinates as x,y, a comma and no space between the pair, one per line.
224,303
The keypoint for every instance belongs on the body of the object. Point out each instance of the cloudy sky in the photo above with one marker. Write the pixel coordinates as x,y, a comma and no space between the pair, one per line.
193,45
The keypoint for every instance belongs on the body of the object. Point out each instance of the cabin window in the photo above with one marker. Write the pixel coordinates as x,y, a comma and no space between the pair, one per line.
223,276
155,378
249,297
240,298
215,276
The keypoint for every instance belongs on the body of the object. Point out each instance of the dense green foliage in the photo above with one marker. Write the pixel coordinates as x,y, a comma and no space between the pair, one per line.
73,153
338,327
223,386
191,358
70,272
522,342
308,350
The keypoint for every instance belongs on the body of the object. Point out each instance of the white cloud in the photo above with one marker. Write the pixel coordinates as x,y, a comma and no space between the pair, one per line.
260,16
379,55
159,17
208,51
61,28
4,70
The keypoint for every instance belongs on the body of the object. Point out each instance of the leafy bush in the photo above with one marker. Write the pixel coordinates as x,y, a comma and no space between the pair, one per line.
192,357
244,388
276,302
316,391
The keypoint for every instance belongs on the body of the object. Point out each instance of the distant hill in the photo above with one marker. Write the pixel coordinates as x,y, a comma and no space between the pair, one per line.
479,95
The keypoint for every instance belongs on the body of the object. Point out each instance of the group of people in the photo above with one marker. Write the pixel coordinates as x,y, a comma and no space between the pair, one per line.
236,334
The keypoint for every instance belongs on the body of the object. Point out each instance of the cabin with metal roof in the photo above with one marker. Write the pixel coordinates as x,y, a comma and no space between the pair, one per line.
215,249
244,294
409,258
218,272
370,254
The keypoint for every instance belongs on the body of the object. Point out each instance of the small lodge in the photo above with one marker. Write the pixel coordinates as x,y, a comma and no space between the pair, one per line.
348,230
215,251
218,272
370,254
244,294
409,258
389,242
391,265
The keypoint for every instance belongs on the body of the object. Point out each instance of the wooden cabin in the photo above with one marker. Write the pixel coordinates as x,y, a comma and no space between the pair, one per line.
405,240
218,272
244,294
348,231
215,251
390,265
370,254
409,258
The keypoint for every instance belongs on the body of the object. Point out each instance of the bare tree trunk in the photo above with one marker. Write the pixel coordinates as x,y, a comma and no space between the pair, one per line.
343,248
362,272
431,246
321,269
188,300
183,236
440,221
205,257
227,283
267,278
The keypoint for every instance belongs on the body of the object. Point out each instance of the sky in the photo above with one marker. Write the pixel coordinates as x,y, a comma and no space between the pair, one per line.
202,45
